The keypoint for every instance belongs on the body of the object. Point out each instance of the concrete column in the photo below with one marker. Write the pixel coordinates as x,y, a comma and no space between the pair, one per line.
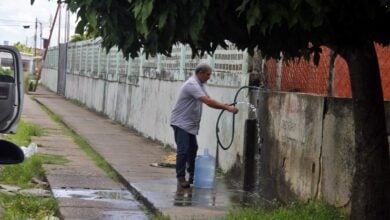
141,64
117,66
129,63
250,151
279,73
182,61
99,65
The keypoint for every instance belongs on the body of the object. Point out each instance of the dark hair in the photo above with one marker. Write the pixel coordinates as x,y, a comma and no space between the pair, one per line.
202,67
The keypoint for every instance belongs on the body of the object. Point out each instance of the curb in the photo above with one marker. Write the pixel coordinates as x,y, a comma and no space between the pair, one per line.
137,194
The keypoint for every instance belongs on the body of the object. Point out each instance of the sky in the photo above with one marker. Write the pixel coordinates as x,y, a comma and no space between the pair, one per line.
14,14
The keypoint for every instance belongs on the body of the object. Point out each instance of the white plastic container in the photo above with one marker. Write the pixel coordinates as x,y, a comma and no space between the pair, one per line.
204,170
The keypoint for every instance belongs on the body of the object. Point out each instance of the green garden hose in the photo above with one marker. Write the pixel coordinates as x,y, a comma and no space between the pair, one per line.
233,121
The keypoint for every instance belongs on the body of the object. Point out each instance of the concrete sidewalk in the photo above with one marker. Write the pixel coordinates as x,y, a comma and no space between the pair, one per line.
75,182
130,155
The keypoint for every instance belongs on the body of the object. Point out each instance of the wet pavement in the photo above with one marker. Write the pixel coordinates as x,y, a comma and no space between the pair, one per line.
85,192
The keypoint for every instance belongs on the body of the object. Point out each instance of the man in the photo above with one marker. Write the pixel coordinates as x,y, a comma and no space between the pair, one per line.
185,120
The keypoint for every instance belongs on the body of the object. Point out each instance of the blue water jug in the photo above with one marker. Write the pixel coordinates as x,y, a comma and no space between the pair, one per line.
204,170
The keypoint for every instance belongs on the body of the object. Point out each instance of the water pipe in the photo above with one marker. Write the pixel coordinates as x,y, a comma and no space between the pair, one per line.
234,116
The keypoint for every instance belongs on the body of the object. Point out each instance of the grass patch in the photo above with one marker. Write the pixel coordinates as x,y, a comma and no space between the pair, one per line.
27,206
295,211
83,144
21,174
24,133
53,159
160,217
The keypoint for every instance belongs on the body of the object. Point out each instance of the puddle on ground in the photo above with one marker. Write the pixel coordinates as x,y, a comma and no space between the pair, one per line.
121,201
93,194
225,194
219,198
124,215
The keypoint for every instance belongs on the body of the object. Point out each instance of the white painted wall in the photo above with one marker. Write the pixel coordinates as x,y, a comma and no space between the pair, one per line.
49,78
145,104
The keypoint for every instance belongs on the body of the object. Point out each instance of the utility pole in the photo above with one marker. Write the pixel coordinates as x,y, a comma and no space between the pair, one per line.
47,47
59,23
35,37
40,36
67,25
35,45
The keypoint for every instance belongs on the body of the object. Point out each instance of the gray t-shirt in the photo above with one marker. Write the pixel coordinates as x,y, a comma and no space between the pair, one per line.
188,109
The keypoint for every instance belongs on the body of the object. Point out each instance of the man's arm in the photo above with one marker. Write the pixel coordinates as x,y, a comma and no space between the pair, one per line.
215,104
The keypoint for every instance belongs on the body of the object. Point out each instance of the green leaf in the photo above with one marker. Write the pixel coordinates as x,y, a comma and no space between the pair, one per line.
295,3
109,3
162,19
91,16
313,3
242,7
142,28
253,15
293,20
148,7
317,21
143,9
196,26
80,28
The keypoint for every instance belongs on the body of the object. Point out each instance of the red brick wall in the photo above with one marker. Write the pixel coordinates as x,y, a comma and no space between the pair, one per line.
302,76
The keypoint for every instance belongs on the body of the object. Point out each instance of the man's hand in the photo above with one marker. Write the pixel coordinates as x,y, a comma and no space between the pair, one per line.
215,104
231,108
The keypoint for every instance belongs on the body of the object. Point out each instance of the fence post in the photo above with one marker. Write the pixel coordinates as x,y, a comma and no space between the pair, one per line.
129,68
107,62
117,66
99,63
80,58
182,61
86,58
211,61
159,63
92,57
141,64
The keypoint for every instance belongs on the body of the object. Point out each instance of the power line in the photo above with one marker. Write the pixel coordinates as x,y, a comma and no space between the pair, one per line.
20,21
12,25
11,20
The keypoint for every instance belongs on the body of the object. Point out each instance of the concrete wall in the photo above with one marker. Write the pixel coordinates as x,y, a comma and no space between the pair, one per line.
140,93
50,78
337,152
294,132
306,141
49,75
308,145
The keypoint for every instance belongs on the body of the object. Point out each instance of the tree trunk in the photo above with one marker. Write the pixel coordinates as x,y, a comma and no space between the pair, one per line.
371,181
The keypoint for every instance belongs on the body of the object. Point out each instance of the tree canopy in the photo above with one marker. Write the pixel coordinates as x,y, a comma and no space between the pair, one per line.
23,48
295,27
80,37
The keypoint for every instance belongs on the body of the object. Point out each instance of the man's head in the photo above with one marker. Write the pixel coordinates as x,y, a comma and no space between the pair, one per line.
203,72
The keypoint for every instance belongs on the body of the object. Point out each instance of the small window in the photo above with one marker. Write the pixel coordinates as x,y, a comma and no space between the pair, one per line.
7,67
